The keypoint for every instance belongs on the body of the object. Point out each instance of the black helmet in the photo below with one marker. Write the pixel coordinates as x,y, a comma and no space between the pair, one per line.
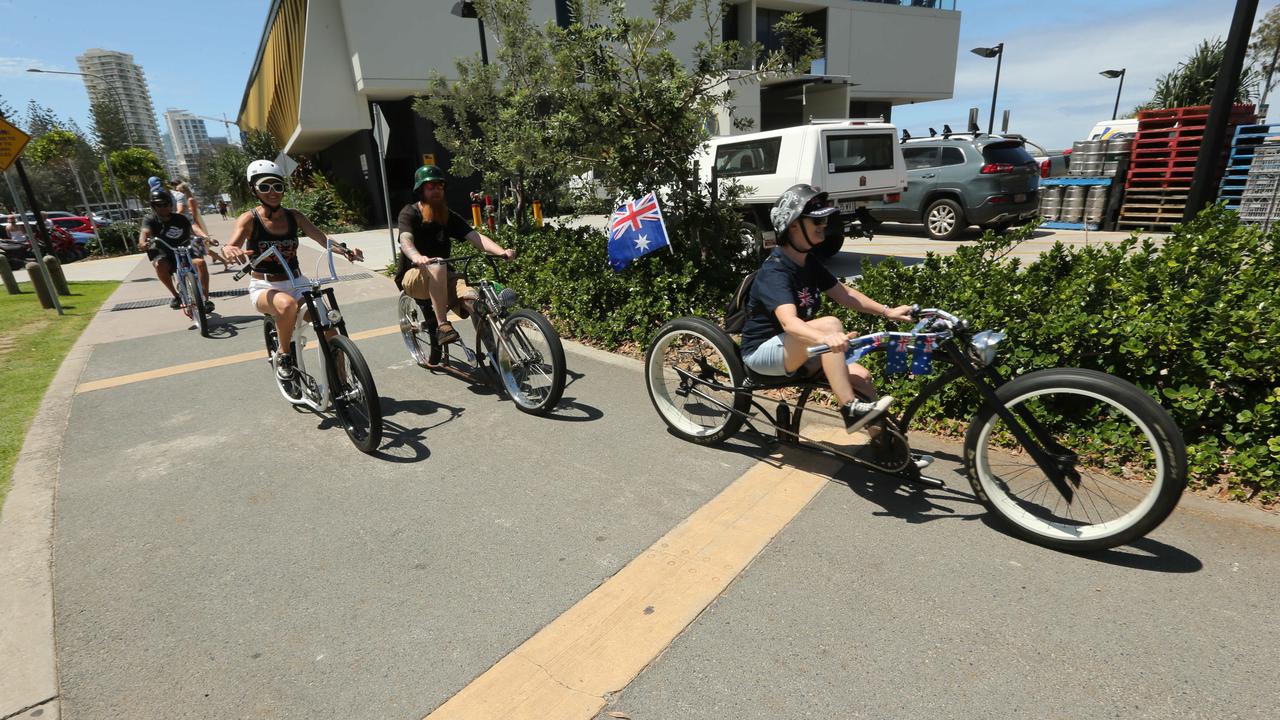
799,200
161,197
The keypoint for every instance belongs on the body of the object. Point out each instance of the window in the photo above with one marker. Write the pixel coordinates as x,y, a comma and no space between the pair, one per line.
860,153
1007,152
952,156
756,157
918,158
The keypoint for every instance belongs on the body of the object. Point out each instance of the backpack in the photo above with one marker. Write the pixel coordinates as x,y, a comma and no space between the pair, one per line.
735,313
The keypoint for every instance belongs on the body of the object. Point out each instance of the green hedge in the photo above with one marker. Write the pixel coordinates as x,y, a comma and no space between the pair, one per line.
117,239
1192,321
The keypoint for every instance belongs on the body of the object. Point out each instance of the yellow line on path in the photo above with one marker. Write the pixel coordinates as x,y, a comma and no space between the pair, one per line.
602,643
138,377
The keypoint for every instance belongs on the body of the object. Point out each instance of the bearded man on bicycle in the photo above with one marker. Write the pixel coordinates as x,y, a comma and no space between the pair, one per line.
427,228
175,229
782,311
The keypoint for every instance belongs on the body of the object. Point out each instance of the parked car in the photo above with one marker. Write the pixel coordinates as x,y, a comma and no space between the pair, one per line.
955,181
854,161
75,224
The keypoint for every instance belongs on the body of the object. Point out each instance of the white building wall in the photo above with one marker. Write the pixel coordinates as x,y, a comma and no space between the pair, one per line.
129,82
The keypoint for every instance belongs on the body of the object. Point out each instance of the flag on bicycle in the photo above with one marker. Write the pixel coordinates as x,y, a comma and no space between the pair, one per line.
922,358
896,360
636,229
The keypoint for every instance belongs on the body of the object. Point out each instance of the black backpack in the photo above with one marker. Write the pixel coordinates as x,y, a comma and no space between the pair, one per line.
735,313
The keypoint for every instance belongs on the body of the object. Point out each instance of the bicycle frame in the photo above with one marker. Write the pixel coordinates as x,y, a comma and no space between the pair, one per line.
185,266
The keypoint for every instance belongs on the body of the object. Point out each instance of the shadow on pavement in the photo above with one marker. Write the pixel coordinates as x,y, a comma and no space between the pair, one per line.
404,444
579,412
916,504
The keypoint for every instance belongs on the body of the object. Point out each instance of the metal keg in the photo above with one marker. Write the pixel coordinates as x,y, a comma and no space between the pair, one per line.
1095,204
1072,204
1087,158
1116,149
1050,201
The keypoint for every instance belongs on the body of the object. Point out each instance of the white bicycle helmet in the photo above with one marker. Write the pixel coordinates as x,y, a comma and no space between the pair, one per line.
261,168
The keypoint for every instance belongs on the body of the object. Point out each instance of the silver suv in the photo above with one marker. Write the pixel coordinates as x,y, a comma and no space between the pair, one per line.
958,180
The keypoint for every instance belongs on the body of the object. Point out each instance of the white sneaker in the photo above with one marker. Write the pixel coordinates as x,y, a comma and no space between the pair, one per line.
857,413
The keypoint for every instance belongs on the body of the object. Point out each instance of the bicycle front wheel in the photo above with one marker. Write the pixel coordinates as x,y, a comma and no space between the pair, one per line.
355,397
531,362
413,329
195,307
687,368
1117,460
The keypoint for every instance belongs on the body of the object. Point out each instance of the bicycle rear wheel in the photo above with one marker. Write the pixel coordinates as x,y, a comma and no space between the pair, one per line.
355,397
531,362
1122,460
686,355
195,303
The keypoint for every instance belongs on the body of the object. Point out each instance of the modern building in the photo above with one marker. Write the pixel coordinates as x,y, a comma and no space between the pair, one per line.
322,65
190,140
113,77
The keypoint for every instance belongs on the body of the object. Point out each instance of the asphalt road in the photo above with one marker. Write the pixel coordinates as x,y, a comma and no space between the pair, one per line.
219,554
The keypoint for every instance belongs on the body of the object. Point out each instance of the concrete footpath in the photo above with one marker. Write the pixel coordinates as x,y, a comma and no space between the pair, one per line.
216,553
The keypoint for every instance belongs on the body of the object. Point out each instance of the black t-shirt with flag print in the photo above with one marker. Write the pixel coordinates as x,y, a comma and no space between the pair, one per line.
781,281
176,231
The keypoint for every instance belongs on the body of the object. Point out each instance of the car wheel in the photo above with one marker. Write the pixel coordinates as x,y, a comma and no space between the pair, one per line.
944,219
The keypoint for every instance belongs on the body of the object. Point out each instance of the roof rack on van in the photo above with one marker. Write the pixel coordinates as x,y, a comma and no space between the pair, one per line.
845,121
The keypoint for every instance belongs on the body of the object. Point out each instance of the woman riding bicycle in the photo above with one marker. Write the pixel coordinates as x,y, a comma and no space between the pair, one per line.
427,229
262,228
176,230
784,302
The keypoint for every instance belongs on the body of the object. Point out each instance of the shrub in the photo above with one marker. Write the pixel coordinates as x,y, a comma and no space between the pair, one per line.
117,239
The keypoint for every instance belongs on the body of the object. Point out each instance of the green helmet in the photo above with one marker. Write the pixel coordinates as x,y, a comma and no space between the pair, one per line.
426,174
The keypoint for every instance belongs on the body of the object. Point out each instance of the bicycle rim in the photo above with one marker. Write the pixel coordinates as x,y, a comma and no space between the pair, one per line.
531,363
416,340
355,397
681,365
1107,506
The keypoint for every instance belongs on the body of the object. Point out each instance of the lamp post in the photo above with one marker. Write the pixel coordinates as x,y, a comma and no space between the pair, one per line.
106,154
996,52
1113,74
467,9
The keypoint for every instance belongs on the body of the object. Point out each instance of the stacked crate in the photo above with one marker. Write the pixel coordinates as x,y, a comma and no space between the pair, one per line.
1260,200
1162,164
1247,139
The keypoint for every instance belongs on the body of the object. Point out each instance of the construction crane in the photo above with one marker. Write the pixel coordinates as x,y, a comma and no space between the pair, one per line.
226,124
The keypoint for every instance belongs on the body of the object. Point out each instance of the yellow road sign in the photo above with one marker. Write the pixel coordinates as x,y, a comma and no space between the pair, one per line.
12,140
428,158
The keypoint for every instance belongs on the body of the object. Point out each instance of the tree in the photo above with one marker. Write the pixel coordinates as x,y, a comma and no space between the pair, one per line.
41,119
604,94
108,126
6,111
261,145
132,168
1191,83
225,173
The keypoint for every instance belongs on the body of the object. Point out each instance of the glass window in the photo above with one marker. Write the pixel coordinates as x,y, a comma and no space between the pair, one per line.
952,156
1011,152
860,153
918,158
755,157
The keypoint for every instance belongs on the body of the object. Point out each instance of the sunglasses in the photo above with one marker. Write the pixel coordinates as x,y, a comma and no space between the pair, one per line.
270,186
818,220
161,203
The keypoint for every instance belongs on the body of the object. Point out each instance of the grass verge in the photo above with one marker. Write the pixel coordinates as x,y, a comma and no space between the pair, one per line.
33,342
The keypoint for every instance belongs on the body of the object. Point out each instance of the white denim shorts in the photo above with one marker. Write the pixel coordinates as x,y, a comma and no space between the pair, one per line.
257,287
769,358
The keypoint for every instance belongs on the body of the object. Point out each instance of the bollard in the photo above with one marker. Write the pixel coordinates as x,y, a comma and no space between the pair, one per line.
537,213
55,274
475,216
37,283
6,273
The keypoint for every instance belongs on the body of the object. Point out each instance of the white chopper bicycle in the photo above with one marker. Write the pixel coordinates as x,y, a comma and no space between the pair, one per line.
341,366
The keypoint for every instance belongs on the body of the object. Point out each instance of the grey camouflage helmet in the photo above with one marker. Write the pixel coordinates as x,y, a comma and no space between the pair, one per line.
793,203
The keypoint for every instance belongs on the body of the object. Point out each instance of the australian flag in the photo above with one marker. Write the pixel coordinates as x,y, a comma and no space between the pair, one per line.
636,229
922,358
896,359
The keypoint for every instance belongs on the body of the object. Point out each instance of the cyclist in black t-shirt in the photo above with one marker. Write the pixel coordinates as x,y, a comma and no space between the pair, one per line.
175,229
785,297
427,229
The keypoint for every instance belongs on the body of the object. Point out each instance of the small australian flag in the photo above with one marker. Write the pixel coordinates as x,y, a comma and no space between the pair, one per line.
922,358
896,357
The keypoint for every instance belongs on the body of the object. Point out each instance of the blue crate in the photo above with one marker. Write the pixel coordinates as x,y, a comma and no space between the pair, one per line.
1069,226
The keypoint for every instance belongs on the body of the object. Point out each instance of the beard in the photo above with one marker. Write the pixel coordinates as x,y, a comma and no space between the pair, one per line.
435,211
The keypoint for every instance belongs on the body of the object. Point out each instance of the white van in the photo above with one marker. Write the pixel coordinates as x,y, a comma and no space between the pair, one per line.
1107,129
852,160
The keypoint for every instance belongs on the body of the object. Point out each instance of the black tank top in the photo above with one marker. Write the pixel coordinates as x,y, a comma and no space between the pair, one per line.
261,240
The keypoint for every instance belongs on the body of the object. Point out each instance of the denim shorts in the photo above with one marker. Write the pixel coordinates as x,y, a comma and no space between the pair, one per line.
769,358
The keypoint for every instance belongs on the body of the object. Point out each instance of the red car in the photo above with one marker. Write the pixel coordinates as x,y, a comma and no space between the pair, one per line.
74,223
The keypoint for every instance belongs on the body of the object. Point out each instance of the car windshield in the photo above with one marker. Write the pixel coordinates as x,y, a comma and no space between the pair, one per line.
1012,153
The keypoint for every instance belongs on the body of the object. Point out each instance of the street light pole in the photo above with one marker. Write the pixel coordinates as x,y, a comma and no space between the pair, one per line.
467,9
1115,74
996,52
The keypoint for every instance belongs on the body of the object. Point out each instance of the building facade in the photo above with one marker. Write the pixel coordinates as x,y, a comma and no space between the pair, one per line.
190,140
113,77
323,64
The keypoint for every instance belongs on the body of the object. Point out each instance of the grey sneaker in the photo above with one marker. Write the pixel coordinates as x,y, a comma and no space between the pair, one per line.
285,369
858,413
175,303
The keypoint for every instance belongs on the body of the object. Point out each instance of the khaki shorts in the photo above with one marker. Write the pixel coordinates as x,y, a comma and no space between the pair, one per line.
416,285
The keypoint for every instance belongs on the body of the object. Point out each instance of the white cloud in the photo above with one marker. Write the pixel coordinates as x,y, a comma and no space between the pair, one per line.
1049,78
17,66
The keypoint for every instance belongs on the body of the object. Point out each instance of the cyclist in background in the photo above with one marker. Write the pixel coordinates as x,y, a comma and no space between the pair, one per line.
176,230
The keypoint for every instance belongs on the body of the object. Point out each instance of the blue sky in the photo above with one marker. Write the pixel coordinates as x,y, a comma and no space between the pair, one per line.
198,56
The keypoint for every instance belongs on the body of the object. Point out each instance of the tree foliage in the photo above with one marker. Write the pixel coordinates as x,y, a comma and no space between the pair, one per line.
606,94
60,146
260,145
225,173
108,126
41,119
132,168
1191,83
